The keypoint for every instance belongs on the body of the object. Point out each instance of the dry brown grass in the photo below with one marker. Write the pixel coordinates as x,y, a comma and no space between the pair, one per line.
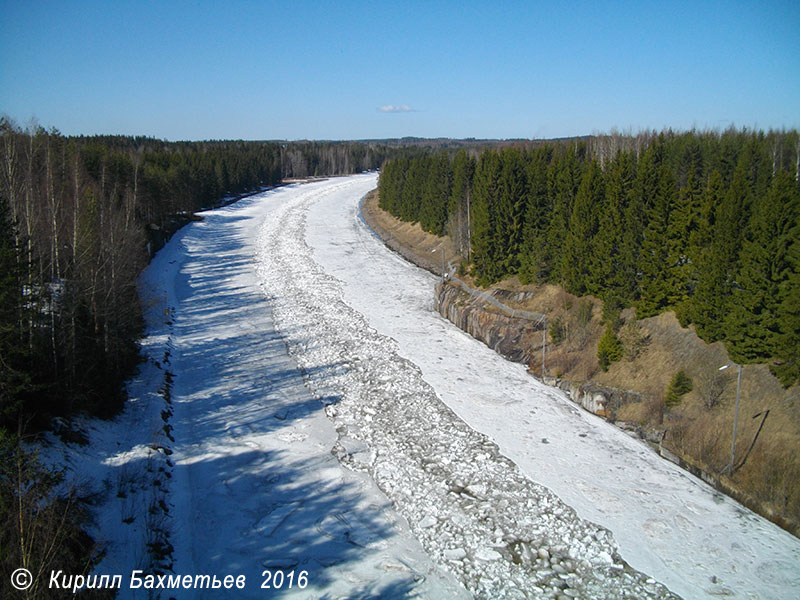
409,239
697,428
649,411
773,475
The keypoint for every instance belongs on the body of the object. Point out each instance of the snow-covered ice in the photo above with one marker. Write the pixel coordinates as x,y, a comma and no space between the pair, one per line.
221,463
482,517
667,523
302,407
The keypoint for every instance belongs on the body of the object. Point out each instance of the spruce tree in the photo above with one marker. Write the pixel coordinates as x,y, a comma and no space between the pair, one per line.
606,267
547,243
609,348
435,194
641,202
537,215
709,301
726,154
701,225
390,185
787,358
690,159
740,200
583,226
713,295
413,189
752,324
680,385
681,233
510,209
484,240
564,178
658,285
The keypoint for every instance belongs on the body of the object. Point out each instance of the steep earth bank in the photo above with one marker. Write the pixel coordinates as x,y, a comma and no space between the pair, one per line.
696,433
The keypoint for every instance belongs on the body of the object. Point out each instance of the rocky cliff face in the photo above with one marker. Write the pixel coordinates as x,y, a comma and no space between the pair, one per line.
519,339
514,338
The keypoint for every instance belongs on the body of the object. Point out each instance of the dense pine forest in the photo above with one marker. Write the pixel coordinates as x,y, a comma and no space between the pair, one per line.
705,224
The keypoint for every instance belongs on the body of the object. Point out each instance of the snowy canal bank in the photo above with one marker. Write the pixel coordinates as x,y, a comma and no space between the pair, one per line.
304,409
666,522
471,508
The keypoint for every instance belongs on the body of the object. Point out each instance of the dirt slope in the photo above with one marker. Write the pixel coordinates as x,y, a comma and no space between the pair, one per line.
699,429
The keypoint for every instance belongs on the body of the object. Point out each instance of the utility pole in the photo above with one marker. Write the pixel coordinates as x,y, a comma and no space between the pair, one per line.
543,321
442,249
729,468
544,343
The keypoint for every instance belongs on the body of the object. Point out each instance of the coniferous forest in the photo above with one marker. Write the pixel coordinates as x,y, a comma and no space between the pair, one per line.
704,224
79,217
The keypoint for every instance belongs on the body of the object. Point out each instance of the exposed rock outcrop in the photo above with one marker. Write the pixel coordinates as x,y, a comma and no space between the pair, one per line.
515,338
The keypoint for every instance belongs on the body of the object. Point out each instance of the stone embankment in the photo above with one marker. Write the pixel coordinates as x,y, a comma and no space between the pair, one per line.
513,337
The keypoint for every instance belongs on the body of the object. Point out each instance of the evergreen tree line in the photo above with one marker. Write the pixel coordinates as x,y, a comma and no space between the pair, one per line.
705,224
77,215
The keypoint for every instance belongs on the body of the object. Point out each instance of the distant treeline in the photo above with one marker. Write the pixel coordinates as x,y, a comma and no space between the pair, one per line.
76,216
705,224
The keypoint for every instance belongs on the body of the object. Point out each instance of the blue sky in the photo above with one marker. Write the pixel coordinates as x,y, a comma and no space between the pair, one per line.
353,70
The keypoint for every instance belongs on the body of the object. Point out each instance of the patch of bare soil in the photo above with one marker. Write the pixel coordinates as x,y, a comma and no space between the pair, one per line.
408,239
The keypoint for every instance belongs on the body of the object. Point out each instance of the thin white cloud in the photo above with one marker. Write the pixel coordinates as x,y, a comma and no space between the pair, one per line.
389,108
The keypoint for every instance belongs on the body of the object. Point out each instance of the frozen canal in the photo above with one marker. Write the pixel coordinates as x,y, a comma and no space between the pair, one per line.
666,522
303,409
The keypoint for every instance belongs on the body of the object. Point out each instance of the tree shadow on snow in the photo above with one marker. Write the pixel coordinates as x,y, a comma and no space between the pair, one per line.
246,490
273,513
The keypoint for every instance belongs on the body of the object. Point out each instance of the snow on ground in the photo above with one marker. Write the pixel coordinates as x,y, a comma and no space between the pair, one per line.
667,523
221,463
366,441
471,508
